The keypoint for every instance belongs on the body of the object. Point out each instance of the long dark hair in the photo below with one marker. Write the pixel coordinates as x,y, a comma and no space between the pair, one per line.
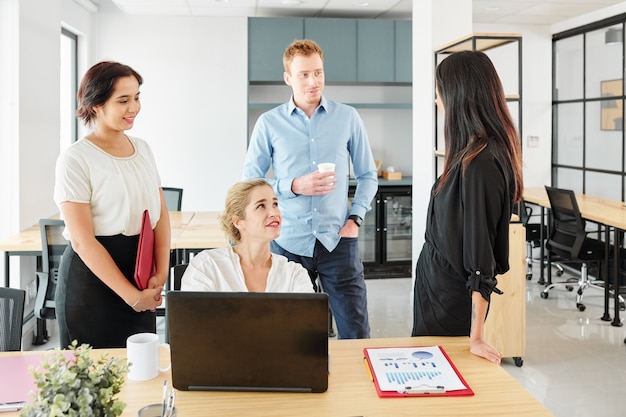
476,113
97,85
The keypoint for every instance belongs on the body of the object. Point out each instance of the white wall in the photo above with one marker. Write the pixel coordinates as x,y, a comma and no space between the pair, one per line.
29,52
9,51
536,97
433,26
194,97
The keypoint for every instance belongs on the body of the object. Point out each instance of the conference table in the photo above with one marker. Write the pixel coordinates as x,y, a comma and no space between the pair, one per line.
190,230
607,212
350,390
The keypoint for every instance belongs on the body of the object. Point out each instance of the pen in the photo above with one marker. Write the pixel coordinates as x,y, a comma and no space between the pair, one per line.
164,408
422,389
16,406
170,404
367,368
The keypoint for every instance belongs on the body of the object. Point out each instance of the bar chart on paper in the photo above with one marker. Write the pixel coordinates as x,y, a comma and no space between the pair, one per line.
398,368
415,369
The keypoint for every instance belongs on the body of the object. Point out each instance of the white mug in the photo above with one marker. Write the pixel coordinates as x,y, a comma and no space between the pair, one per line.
142,351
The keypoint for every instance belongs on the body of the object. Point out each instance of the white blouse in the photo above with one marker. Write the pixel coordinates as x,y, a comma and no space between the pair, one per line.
220,270
118,189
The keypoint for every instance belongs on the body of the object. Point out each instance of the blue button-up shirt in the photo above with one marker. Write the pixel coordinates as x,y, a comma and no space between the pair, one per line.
293,144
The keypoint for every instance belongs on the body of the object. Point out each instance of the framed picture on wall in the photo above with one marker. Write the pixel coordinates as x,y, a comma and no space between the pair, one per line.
612,118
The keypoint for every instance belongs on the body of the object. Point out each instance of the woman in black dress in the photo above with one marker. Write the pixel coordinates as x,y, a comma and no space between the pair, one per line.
103,184
467,230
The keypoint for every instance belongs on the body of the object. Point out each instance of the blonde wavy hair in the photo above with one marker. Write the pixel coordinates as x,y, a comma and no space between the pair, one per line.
237,199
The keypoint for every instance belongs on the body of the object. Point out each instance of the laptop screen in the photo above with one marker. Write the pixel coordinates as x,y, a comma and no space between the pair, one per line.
248,341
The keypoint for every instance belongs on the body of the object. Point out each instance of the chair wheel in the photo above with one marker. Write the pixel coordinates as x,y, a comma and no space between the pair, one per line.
569,288
581,307
529,276
544,295
559,272
519,361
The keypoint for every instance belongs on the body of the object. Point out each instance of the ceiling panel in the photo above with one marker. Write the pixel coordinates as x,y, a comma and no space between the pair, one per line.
540,12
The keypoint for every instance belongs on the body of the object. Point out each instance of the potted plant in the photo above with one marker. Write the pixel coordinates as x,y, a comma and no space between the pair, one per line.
78,385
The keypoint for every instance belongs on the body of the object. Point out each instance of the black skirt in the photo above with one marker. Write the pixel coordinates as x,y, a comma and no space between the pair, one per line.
88,310
441,301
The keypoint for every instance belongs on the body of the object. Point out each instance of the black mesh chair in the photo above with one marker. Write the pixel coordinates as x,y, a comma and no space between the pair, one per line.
179,270
536,234
570,240
11,319
53,244
173,198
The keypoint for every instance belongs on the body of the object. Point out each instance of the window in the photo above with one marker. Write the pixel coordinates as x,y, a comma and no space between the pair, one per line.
588,142
68,84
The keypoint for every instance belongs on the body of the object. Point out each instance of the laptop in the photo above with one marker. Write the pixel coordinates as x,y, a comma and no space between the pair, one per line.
231,341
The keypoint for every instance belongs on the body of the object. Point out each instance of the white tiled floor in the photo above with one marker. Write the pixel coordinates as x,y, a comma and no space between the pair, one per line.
575,363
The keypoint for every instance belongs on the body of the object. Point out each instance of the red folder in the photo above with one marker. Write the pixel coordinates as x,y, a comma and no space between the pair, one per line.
458,392
145,266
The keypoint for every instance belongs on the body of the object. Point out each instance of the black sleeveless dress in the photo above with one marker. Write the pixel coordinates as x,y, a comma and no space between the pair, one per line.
88,310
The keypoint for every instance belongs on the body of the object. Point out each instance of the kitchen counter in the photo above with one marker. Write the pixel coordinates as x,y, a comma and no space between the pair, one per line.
404,182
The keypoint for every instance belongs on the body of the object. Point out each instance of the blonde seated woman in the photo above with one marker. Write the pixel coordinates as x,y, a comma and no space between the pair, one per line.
251,221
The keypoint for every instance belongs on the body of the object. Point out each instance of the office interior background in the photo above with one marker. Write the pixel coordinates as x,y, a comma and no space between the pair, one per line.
195,100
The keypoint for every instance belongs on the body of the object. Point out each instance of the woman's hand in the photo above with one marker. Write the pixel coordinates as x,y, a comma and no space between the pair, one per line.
155,282
485,350
149,299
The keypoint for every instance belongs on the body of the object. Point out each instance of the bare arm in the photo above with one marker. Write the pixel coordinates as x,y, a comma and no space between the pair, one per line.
478,346
79,222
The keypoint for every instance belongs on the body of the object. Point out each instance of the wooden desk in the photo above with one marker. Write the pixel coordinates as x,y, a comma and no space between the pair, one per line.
203,231
28,242
610,213
350,392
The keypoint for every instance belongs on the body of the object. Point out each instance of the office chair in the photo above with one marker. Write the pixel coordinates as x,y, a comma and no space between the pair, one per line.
179,270
174,202
569,240
533,240
173,198
53,245
11,319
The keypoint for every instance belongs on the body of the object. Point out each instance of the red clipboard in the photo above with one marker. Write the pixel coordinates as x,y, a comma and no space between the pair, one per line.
144,265
389,394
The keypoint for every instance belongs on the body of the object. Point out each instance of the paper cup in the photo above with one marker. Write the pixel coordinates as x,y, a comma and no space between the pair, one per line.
326,167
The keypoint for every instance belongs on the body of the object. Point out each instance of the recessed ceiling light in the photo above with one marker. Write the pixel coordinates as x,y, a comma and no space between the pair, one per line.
291,2
492,9
361,3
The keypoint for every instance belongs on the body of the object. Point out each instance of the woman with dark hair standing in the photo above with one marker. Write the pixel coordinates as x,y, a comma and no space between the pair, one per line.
103,184
467,229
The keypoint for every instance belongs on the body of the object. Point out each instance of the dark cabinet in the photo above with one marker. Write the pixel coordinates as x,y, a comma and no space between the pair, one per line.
385,238
355,50
337,38
376,51
267,39
404,51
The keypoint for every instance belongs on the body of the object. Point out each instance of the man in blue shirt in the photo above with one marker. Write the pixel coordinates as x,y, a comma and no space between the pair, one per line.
320,228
